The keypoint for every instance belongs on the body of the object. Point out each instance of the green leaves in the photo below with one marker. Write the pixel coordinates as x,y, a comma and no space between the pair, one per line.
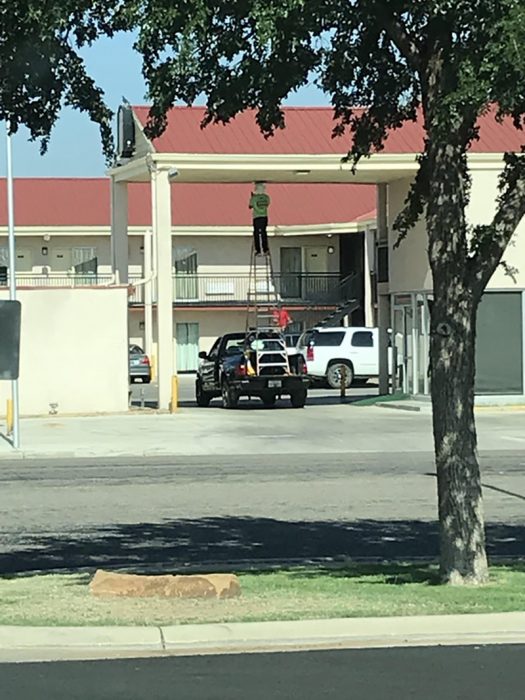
40,67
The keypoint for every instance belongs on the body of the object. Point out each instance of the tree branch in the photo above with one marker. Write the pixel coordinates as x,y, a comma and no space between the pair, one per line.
490,242
402,39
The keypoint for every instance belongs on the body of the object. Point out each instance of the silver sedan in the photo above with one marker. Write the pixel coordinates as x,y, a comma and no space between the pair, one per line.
139,365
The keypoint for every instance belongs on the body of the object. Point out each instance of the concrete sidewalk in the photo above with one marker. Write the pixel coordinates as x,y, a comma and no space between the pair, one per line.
318,429
34,643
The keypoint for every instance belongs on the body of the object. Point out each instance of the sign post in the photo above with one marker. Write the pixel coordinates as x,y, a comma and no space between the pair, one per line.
12,275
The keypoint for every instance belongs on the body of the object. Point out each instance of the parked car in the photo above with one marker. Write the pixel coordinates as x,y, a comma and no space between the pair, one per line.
230,370
327,350
139,365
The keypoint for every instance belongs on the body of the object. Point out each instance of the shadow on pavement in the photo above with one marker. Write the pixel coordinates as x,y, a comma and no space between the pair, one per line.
233,542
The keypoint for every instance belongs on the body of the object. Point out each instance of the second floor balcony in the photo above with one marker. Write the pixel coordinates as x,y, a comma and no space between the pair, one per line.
211,290
236,290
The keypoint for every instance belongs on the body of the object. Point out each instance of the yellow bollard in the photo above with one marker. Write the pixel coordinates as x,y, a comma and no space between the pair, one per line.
174,403
153,367
9,417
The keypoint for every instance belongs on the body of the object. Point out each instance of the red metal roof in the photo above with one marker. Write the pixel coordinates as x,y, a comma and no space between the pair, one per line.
86,202
308,131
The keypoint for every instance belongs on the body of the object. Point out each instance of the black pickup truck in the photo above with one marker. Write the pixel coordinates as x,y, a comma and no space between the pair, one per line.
230,370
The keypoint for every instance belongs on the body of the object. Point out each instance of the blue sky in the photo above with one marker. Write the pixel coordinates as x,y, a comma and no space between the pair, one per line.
74,149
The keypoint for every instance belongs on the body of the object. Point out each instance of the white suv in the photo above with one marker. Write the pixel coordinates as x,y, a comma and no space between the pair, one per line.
328,350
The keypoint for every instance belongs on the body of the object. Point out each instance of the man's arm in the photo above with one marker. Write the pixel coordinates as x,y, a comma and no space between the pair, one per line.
250,205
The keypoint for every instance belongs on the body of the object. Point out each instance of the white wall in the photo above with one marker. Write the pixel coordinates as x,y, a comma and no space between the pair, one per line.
231,254
216,254
74,351
212,324
481,210
409,268
35,244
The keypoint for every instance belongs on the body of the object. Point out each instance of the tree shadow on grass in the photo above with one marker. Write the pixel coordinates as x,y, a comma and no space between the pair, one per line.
237,543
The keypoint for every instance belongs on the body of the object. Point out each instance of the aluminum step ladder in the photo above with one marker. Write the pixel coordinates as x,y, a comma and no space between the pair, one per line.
263,334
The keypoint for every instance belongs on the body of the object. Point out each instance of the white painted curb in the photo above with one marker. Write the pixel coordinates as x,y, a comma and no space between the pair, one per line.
353,632
81,637
389,631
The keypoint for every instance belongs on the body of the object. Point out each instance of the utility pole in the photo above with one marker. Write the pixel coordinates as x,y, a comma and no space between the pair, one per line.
12,274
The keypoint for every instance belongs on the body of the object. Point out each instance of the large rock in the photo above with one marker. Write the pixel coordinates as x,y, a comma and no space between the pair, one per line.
107,583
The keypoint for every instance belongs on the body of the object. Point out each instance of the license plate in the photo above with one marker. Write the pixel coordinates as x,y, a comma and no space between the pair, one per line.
135,363
274,383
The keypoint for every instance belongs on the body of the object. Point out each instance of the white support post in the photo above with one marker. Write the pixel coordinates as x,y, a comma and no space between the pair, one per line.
369,268
148,293
119,230
415,346
383,300
161,217
383,309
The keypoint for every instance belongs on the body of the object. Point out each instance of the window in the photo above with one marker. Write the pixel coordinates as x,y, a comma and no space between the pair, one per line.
214,352
363,339
84,260
4,264
329,339
83,254
185,264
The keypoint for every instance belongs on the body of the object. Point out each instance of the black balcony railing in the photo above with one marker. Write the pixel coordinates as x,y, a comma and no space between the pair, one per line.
59,279
234,290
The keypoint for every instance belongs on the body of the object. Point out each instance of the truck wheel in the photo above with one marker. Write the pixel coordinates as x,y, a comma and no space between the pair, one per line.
269,399
335,372
201,397
230,397
298,398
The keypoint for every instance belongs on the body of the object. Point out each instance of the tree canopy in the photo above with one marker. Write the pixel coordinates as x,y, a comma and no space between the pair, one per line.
41,69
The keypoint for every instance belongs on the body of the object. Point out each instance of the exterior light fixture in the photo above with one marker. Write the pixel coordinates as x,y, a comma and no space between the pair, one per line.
44,250
331,249
303,172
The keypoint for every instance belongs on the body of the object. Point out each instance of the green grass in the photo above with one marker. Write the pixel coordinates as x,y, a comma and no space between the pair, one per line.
357,591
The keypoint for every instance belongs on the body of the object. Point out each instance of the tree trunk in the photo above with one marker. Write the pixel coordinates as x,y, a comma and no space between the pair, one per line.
452,363
452,348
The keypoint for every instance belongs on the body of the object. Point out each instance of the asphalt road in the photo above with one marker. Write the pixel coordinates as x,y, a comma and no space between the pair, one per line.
429,673
164,513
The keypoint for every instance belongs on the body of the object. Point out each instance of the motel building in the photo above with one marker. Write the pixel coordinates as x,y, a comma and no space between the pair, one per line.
158,254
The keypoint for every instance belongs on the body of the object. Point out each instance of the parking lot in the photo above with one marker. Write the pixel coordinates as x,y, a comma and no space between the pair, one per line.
145,395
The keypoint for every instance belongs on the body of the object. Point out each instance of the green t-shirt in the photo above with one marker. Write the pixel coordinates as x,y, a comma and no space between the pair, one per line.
259,204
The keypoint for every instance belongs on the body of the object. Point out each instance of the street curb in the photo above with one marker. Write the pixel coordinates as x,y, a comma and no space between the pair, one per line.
428,630
399,407
147,638
355,632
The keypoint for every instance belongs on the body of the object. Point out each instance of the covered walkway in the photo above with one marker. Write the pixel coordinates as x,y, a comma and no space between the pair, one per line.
304,152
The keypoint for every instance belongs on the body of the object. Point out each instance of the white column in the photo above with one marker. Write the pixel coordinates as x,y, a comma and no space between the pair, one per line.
368,269
119,230
148,293
161,217
383,300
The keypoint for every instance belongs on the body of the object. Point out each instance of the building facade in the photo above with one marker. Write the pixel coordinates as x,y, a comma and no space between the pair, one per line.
317,243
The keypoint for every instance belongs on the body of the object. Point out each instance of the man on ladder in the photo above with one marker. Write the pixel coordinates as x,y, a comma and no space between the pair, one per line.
259,203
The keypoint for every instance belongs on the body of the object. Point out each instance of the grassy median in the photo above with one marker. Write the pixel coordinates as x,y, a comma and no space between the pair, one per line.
358,591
